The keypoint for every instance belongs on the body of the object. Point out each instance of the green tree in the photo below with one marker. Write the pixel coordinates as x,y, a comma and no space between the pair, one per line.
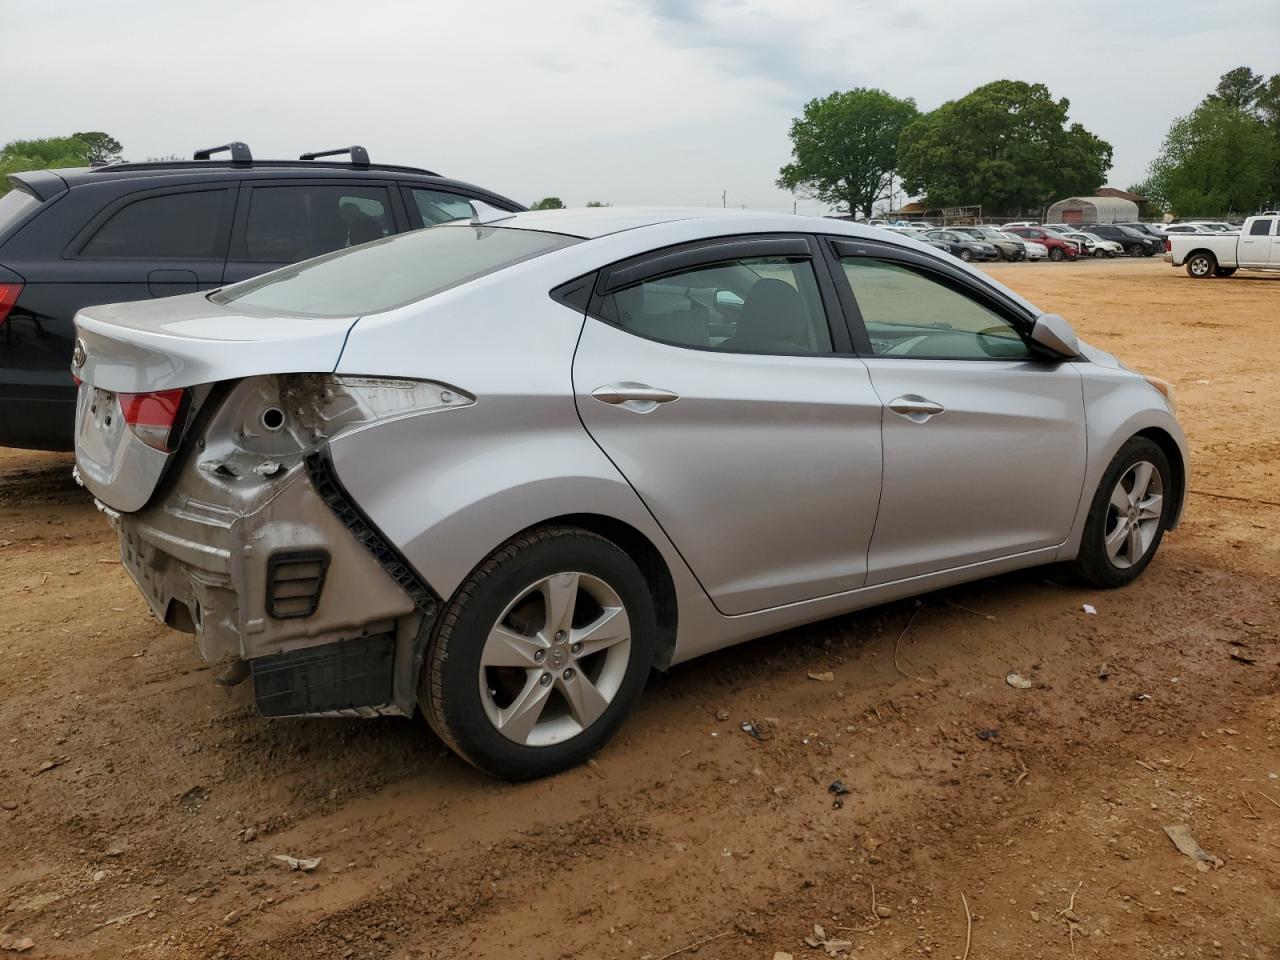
1239,89
1219,159
103,148
844,149
597,203
548,203
50,153
1006,146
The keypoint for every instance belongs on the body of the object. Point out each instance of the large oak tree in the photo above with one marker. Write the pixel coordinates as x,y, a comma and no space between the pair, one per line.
1006,146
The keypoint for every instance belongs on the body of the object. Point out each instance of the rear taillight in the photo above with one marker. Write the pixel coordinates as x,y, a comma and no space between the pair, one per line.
1168,245
155,418
8,297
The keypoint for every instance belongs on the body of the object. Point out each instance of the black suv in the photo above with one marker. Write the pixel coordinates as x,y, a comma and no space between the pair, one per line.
1136,243
128,231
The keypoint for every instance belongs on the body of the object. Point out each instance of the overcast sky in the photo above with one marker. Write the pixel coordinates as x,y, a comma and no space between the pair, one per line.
652,101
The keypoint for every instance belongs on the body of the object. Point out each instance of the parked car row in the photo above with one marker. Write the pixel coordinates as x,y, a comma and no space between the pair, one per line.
970,243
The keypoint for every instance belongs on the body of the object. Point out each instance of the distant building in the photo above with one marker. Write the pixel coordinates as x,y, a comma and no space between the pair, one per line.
1121,194
1104,208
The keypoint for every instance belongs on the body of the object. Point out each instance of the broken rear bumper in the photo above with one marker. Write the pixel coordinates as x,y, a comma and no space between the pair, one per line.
284,573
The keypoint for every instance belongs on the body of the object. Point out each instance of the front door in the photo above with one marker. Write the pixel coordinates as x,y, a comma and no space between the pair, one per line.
984,441
279,222
714,382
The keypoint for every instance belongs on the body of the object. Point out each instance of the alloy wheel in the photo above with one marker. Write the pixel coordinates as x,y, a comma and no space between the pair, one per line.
1199,266
555,659
1133,514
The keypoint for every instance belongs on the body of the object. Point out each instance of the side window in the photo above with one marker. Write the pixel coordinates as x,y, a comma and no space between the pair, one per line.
173,226
437,207
908,313
291,223
765,305
1260,228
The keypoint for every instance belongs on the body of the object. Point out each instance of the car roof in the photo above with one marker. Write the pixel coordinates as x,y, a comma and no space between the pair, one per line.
592,222
220,171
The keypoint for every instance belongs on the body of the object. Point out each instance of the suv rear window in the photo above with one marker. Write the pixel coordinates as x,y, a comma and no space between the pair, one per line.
391,272
172,226
14,205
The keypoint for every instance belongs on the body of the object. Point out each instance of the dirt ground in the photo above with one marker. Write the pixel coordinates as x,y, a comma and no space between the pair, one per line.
142,805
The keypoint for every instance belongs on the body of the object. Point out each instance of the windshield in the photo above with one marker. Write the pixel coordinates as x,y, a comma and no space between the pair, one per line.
14,205
391,272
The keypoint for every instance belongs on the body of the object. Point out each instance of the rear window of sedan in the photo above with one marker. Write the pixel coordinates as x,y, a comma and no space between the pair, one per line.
389,273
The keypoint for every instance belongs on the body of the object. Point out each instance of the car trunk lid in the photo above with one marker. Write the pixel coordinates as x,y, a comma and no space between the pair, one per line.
146,369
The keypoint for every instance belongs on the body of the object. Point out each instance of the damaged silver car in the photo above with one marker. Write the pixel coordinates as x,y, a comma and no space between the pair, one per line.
499,469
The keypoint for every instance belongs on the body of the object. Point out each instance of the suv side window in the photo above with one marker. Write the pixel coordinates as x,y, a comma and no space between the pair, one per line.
434,206
171,226
910,313
286,224
766,305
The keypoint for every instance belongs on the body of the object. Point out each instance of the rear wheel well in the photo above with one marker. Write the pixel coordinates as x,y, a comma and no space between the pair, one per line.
654,569
1173,454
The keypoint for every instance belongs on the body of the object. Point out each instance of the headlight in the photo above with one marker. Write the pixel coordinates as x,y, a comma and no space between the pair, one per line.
1165,388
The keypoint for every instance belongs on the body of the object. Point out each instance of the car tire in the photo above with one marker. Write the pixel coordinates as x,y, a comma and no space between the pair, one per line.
1201,265
1098,253
1055,254
965,255
480,666
1224,271
1134,250
1121,535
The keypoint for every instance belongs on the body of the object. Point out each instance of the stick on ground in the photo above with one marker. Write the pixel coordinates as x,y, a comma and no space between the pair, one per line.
1267,798
968,930
898,643
696,943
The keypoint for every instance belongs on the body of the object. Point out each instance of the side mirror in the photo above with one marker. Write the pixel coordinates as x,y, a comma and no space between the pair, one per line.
1054,333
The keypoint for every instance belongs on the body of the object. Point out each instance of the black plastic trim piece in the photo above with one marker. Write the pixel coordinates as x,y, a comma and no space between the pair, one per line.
359,155
280,566
240,152
576,294
347,675
324,478
704,251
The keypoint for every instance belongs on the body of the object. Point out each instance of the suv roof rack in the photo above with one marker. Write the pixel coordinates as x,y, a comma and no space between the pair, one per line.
359,155
239,152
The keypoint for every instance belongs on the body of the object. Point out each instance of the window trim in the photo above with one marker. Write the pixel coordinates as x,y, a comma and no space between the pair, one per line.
413,215
838,248
74,250
655,264
238,247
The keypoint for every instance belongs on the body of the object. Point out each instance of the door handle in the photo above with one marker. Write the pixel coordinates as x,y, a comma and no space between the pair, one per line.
637,397
915,407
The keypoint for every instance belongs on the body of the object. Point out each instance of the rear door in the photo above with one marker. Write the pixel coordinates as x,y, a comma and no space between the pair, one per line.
1258,246
283,221
984,441
153,243
711,376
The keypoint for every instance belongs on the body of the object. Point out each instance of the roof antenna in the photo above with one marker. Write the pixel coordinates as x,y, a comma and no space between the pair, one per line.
483,213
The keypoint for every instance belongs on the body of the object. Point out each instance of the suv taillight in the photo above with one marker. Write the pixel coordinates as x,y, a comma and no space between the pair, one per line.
8,297
155,417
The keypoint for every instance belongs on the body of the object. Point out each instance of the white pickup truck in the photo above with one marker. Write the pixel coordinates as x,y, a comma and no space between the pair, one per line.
1255,247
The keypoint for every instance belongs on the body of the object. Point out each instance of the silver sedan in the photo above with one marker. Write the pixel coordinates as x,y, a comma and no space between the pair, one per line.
500,469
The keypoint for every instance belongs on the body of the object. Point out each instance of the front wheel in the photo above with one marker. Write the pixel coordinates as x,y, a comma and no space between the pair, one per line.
1201,265
1056,254
1134,250
540,654
1098,252
965,255
1128,516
